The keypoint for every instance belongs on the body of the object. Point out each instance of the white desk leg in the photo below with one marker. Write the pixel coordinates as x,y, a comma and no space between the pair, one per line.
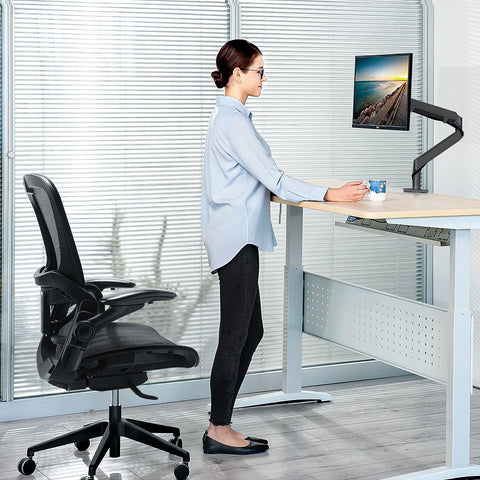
292,325
459,382
459,385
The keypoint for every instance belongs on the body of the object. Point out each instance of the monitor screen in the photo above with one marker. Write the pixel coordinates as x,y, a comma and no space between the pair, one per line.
382,89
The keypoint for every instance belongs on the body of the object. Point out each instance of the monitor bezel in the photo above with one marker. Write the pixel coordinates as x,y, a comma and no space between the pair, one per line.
409,93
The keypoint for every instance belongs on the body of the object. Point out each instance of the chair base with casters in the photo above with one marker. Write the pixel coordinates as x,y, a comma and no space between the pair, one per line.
111,431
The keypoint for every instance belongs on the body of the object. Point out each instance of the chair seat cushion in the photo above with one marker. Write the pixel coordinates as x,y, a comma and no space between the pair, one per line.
122,348
123,335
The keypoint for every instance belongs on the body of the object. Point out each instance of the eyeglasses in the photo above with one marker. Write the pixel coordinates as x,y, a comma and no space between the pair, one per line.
260,71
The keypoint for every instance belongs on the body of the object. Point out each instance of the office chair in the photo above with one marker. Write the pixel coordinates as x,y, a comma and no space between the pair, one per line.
83,347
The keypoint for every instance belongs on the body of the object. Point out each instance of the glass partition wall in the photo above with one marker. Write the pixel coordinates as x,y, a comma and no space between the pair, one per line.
111,101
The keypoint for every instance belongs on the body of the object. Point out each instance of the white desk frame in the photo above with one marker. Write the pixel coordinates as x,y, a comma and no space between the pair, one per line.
459,357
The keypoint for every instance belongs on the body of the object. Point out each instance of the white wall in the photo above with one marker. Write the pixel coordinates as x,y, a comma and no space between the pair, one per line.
457,171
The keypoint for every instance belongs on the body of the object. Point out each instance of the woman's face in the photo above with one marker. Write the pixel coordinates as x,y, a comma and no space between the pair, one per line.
251,80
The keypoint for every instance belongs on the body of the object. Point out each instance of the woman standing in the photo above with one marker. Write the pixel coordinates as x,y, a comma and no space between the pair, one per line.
239,175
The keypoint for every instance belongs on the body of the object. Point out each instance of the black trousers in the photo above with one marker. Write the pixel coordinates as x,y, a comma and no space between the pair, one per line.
241,330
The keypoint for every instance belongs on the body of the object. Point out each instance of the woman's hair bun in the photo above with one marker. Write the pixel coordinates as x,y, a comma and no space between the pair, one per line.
217,78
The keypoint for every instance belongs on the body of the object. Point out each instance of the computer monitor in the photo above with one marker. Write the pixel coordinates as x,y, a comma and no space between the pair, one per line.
382,100
382,91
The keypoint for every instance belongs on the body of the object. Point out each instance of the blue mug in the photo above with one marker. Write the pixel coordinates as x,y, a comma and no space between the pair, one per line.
377,190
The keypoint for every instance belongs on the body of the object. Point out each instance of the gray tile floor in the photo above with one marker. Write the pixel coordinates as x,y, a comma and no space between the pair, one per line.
371,430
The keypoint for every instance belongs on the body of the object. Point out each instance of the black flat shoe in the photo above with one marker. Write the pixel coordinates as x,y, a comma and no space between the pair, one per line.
251,439
257,440
211,446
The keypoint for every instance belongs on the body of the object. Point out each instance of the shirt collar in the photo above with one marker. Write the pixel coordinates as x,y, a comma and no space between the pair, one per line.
224,100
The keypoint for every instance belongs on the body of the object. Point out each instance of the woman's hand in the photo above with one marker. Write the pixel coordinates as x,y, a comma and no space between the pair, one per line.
350,192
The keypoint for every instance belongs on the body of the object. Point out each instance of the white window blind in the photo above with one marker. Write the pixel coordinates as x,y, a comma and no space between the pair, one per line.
305,114
112,100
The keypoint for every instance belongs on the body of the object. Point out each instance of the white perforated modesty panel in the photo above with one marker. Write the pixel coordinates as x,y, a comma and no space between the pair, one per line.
404,333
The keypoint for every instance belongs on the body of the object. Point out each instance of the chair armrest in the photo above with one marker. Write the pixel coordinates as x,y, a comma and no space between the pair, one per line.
121,303
136,296
103,283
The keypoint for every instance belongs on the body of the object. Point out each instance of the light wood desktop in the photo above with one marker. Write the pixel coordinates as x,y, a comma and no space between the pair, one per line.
398,204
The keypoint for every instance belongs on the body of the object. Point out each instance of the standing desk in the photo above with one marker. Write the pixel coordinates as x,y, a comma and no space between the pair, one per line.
423,339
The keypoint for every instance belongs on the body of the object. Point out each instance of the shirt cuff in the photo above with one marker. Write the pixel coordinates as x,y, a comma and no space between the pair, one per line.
318,193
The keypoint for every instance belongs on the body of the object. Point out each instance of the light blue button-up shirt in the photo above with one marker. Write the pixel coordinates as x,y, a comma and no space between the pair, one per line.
239,174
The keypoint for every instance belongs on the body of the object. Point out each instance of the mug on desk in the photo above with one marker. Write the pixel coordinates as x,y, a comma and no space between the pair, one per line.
377,190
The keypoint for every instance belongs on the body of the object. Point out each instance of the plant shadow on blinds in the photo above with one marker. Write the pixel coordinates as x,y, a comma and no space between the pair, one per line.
112,103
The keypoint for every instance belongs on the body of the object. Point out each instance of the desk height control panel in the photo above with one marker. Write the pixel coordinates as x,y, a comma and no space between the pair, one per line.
432,236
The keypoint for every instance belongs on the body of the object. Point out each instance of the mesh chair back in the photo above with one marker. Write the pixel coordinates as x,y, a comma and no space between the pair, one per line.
60,248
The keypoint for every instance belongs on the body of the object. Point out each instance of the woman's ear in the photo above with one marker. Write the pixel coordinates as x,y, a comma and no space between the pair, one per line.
237,74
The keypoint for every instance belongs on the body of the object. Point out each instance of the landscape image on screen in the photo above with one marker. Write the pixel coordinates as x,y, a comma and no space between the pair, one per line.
381,96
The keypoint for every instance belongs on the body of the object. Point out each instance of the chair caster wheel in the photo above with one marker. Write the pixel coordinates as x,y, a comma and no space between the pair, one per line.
82,445
177,441
26,466
181,471
88,477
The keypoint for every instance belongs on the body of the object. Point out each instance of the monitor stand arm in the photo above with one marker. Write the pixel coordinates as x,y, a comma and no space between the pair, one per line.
445,116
